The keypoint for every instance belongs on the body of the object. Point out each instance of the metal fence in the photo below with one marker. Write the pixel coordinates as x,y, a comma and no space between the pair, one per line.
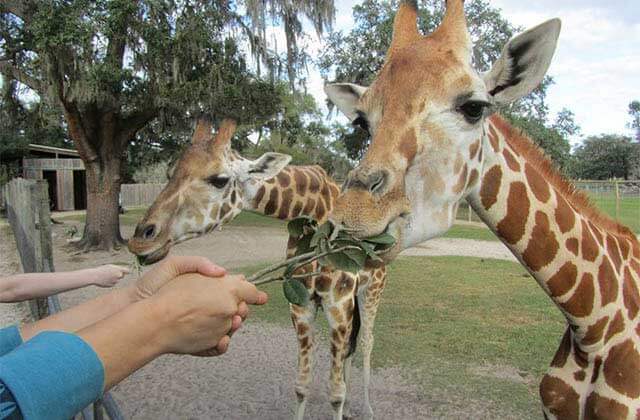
27,206
618,199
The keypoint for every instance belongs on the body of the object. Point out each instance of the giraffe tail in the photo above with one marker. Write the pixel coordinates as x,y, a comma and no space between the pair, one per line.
355,327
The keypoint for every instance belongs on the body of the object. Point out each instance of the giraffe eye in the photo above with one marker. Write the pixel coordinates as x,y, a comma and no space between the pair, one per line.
473,111
217,181
362,123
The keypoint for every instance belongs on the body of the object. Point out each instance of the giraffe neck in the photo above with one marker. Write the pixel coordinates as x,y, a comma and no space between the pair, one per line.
295,191
585,262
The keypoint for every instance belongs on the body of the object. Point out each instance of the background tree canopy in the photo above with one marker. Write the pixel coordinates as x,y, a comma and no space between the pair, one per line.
358,55
114,66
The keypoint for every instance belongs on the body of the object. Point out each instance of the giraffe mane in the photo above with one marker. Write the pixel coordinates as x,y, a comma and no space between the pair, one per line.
538,159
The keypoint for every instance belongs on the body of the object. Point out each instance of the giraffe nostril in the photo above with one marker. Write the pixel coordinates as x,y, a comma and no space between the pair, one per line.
376,181
149,232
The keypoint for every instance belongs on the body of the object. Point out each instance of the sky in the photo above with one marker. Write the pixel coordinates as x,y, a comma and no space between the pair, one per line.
596,66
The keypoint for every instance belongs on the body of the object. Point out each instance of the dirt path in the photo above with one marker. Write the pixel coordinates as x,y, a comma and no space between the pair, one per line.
256,379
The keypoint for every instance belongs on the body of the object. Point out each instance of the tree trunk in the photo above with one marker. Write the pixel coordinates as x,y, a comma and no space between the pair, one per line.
102,226
101,146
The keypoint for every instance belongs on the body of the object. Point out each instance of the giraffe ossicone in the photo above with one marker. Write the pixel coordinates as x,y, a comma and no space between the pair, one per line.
210,185
435,143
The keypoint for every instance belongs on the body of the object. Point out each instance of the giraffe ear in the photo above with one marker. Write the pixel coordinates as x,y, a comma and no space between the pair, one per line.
523,63
268,165
346,97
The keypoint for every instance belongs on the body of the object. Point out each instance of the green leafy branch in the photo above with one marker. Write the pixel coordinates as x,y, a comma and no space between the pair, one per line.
327,244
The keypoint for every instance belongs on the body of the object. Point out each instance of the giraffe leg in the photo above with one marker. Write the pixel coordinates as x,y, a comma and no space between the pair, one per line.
340,333
303,321
368,311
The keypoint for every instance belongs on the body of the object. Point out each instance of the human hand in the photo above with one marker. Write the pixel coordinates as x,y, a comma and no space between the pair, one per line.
198,313
109,275
169,269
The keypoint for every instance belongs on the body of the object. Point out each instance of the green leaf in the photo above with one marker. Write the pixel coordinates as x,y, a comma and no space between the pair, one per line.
296,227
357,255
343,262
382,239
303,245
295,292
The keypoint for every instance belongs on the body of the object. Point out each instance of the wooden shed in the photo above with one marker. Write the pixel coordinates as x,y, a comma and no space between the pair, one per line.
63,170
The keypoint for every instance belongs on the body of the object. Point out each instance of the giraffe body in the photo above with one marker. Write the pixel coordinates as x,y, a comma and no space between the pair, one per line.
210,185
435,142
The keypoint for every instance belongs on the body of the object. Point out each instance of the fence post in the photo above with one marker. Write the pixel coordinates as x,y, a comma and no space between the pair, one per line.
617,187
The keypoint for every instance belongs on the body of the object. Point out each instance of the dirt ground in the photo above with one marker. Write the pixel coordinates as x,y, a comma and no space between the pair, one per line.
256,378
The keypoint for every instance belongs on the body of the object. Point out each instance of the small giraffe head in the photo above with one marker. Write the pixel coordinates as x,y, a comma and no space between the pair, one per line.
426,114
206,190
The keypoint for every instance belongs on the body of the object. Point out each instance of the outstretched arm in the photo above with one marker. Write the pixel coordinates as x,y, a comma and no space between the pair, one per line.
90,312
26,286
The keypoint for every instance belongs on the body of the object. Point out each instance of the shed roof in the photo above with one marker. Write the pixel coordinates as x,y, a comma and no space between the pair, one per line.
55,150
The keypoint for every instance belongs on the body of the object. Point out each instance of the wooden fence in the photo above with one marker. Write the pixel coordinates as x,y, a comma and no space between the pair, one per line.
139,195
27,206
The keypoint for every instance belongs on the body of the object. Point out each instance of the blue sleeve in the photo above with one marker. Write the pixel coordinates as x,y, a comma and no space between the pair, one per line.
9,339
52,376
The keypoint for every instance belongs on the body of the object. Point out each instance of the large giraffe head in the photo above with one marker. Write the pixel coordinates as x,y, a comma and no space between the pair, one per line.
426,114
205,191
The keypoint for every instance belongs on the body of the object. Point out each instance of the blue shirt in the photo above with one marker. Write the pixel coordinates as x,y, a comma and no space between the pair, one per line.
52,376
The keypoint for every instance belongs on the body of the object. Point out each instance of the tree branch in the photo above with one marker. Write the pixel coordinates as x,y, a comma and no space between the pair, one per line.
14,73
130,125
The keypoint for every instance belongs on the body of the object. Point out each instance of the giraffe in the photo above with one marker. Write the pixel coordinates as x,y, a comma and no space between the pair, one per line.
210,185
435,142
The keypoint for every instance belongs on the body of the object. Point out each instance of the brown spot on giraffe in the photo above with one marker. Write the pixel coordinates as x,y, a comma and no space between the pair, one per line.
462,180
573,245
272,204
543,246
590,249
343,287
512,163
597,364
336,315
314,182
607,282
309,206
302,328
559,398
614,253
283,179
564,280
512,227
493,139
561,356
579,375
616,327
565,217
621,369
301,182
285,205
537,183
630,295
491,187
473,149
258,198
581,303
323,283
595,331
599,407
625,246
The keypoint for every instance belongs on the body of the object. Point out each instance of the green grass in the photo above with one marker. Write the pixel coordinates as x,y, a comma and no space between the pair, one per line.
445,318
629,214
470,232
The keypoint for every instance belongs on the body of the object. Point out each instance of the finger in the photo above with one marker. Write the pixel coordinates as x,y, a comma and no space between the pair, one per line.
236,323
202,265
223,345
247,292
243,310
